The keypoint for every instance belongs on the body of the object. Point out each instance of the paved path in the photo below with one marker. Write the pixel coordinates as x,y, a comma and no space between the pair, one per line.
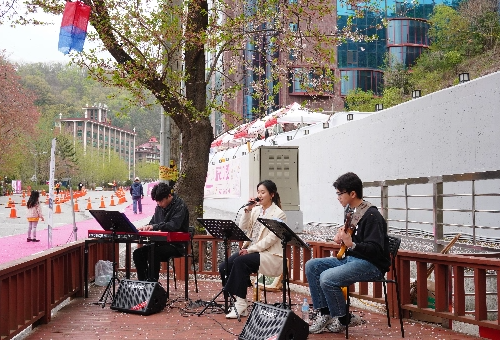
13,231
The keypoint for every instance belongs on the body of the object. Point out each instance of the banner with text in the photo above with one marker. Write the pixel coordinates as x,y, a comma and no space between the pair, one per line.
224,179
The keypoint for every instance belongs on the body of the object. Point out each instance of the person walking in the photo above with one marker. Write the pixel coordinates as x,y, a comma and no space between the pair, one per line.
34,214
137,193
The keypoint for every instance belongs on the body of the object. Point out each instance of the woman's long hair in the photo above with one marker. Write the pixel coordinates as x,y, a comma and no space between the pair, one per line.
271,187
33,200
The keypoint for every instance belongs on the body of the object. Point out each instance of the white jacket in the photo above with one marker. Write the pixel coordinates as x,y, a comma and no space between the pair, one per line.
267,243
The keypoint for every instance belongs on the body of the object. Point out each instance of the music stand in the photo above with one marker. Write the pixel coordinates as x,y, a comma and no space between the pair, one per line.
113,221
280,229
226,230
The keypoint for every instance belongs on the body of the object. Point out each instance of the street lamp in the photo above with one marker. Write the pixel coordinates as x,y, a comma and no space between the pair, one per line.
416,94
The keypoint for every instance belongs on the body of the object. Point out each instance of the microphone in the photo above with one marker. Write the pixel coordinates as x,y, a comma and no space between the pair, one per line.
250,203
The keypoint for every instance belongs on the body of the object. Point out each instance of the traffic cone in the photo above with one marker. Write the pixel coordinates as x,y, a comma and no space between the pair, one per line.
89,205
24,193
23,202
75,207
112,204
47,199
13,212
58,209
102,203
9,203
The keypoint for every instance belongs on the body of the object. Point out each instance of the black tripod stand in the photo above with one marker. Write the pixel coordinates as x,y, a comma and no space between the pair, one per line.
226,230
280,229
113,221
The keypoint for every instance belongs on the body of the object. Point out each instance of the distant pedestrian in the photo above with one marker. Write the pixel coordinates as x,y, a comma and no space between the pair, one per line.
58,187
80,186
34,214
137,195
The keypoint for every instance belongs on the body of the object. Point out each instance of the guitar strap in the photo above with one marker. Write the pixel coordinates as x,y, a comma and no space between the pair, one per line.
360,211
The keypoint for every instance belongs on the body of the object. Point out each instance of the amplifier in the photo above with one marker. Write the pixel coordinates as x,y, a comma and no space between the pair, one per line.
272,323
139,297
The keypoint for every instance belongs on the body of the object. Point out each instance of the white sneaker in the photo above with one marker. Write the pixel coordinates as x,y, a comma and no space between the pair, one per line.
335,326
319,324
232,313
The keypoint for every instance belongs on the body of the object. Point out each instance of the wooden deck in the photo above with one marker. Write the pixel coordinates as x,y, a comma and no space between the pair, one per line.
82,319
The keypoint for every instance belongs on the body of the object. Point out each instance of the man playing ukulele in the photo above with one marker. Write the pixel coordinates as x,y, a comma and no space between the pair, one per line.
366,257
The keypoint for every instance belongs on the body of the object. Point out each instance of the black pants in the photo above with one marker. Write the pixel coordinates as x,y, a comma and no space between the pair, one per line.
162,253
239,270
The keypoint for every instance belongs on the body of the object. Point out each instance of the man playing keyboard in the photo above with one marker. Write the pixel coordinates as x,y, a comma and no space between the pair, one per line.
171,214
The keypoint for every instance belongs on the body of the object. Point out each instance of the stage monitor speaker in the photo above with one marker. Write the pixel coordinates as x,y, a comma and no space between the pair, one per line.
267,322
139,297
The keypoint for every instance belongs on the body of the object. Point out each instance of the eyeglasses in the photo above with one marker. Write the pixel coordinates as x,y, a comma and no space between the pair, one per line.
341,193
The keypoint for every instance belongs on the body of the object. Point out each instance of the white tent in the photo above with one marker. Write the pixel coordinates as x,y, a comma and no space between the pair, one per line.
297,114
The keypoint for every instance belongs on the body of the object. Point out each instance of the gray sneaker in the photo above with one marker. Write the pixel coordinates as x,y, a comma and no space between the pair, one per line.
356,320
319,324
335,326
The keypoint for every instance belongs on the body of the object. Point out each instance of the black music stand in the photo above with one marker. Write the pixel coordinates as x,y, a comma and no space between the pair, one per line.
113,221
280,229
226,230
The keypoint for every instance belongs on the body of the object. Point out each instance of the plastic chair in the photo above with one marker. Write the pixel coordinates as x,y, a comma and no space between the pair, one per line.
187,255
394,243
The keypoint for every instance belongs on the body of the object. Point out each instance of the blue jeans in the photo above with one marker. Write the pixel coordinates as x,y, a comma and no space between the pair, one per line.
136,201
326,276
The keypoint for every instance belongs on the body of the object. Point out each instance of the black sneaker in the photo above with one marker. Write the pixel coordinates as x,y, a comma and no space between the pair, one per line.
34,240
28,240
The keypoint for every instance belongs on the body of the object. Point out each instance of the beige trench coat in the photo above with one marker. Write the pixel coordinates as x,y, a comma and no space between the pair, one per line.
267,244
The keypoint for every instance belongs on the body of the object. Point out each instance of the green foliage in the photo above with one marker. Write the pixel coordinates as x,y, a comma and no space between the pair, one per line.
359,100
147,171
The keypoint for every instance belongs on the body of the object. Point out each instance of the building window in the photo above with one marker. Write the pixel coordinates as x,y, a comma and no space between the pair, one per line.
366,80
79,133
79,123
310,82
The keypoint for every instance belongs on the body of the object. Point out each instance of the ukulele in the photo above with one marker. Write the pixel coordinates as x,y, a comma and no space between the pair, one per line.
348,228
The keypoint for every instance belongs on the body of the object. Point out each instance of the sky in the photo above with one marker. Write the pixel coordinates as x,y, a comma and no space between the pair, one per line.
30,44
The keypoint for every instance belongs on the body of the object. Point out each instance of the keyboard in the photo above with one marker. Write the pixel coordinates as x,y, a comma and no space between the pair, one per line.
142,236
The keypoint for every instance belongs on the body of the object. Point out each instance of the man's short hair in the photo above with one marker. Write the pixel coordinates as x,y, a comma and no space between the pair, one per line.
161,191
349,182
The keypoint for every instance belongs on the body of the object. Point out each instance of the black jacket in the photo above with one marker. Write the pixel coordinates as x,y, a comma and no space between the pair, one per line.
136,190
372,241
175,217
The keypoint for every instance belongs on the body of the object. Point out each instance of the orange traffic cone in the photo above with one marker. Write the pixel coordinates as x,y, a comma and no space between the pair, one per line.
58,209
75,207
9,203
112,204
102,203
13,212
23,202
89,205
24,194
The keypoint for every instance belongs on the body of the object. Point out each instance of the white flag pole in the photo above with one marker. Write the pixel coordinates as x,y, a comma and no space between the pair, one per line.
51,192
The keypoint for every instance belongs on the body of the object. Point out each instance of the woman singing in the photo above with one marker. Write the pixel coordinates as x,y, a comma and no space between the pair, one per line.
262,254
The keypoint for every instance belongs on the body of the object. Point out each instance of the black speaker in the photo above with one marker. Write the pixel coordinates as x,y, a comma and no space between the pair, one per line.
272,323
139,297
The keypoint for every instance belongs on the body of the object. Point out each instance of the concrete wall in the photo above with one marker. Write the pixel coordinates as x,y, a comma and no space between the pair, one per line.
451,131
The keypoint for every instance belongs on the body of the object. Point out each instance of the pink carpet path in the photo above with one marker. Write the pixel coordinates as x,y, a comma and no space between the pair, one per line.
16,247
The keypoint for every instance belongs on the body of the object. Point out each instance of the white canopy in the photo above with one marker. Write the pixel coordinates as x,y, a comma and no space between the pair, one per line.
297,114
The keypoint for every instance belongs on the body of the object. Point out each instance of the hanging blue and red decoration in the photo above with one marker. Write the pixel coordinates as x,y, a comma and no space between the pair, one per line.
74,27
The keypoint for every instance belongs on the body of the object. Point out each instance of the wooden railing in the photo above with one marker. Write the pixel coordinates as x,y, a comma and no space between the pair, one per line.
30,288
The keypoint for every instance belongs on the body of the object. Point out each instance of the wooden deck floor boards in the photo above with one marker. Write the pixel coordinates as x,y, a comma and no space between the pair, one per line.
82,319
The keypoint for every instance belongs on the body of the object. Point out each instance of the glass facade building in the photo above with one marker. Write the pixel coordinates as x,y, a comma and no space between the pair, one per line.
405,37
